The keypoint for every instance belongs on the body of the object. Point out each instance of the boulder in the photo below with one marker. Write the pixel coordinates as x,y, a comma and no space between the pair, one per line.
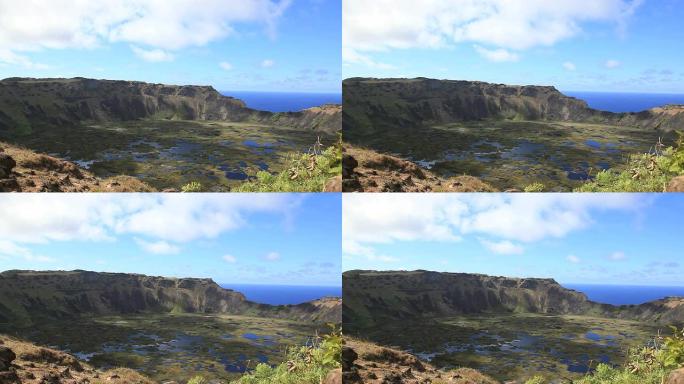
348,165
676,185
676,377
348,358
7,163
6,358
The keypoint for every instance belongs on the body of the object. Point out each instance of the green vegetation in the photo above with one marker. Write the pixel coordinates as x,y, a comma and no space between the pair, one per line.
303,172
192,186
647,365
308,364
173,346
514,346
646,172
534,187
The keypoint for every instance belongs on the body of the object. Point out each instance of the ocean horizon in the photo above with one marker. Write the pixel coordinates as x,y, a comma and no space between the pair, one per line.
283,294
284,101
626,101
625,294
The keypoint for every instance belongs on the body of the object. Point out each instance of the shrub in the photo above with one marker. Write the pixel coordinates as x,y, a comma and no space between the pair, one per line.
192,186
647,172
534,187
304,365
305,172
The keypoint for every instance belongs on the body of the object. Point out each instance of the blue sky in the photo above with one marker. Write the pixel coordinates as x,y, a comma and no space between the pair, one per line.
575,238
289,239
602,45
262,45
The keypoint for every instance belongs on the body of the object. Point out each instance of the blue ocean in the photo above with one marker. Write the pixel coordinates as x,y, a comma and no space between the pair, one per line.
625,294
284,101
283,294
626,102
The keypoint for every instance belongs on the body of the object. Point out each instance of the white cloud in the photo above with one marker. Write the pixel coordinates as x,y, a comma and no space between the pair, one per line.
353,248
9,249
268,63
497,55
617,256
504,247
570,66
152,55
505,220
573,259
160,247
230,259
611,64
272,256
11,58
226,65
175,218
155,24
517,25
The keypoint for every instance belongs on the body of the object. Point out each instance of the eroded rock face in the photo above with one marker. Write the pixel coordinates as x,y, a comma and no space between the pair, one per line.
412,294
72,101
376,105
81,292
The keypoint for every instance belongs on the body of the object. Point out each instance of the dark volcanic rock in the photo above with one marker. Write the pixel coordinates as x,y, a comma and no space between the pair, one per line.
7,356
7,163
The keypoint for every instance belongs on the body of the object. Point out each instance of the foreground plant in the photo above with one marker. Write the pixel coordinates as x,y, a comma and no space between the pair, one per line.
648,365
305,172
309,364
647,172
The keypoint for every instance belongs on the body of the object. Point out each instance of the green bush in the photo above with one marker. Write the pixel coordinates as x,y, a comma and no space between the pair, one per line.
304,365
647,172
193,186
197,380
648,365
534,187
305,172
673,349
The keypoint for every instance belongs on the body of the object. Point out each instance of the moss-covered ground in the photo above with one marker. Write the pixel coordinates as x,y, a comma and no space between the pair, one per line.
510,154
174,346
170,154
516,346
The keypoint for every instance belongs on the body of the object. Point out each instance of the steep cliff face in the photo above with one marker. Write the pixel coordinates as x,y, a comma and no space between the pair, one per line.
32,295
374,105
371,297
27,103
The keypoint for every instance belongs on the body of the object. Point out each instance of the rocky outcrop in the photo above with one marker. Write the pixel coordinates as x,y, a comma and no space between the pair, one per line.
23,170
364,170
371,297
27,103
365,362
27,296
33,364
372,106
